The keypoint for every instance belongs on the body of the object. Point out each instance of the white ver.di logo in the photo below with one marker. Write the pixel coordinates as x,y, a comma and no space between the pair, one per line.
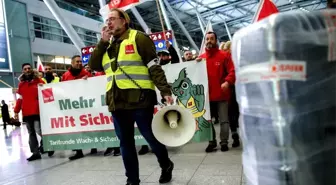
115,3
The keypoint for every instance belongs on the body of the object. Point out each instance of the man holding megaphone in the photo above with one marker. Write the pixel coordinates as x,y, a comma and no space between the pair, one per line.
132,70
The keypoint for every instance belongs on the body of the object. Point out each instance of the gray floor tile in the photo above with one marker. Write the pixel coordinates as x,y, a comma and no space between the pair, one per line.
215,180
219,170
192,166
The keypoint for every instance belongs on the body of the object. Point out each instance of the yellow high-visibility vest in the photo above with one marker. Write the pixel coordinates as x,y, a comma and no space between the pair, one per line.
131,63
55,80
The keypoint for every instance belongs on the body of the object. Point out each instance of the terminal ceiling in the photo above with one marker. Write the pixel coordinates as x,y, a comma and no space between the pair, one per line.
236,13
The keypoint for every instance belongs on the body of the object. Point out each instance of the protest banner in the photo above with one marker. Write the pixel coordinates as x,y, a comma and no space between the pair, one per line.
74,114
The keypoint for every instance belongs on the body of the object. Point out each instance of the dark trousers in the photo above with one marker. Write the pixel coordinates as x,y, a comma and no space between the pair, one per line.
33,127
5,122
233,111
124,127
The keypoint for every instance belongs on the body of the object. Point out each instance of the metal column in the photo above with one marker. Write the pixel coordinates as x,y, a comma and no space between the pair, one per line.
177,19
140,20
102,3
166,18
200,22
227,30
67,27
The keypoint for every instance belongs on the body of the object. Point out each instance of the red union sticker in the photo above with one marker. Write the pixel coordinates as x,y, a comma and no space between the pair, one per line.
281,70
129,49
289,67
48,95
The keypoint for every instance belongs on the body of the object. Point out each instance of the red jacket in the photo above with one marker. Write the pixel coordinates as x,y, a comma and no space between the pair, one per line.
99,73
28,97
220,69
67,76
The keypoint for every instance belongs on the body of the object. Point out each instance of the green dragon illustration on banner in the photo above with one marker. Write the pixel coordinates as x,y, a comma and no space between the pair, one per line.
192,97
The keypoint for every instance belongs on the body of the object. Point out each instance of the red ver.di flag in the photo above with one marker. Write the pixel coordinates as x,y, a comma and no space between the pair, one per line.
121,4
265,9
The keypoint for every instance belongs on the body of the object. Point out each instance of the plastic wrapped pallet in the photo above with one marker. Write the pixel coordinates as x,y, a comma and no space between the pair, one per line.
286,88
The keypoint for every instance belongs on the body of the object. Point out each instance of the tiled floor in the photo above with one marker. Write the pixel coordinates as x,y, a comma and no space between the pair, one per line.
192,166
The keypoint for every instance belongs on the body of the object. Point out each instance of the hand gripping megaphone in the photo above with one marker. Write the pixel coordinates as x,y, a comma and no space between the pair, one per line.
173,126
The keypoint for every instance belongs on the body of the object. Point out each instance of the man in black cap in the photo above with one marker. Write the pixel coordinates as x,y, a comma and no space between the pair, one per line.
169,56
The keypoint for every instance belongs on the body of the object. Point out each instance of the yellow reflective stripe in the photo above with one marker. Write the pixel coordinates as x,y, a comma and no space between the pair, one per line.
107,66
130,63
133,76
109,78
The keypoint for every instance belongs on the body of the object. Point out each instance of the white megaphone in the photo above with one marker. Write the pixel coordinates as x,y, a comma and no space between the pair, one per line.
174,126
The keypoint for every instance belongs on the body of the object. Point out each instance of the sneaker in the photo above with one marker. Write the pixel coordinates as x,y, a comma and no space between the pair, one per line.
79,154
51,153
132,183
116,151
236,142
224,148
94,151
34,157
144,150
167,174
211,147
108,151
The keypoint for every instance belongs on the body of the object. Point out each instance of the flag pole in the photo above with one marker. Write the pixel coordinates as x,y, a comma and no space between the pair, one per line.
161,20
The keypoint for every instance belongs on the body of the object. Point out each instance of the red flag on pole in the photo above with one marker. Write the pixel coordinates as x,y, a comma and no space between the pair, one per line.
122,3
265,9
40,66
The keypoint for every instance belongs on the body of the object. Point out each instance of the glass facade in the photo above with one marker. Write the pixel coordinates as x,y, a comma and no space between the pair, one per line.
45,28
60,64
74,9
79,11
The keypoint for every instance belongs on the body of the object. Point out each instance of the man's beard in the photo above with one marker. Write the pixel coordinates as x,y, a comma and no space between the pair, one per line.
210,45
164,62
75,71
28,76
49,77
117,32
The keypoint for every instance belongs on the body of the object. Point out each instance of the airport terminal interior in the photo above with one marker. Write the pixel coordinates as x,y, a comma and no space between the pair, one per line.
192,166
269,142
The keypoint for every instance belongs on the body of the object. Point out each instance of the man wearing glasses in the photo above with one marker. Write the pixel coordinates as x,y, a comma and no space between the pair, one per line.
28,101
132,71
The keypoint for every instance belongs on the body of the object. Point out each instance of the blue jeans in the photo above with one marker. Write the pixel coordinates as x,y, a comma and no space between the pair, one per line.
124,128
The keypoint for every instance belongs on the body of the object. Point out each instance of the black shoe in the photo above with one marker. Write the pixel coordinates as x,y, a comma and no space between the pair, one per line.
51,153
236,142
167,174
79,154
144,150
132,183
116,151
211,147
34,157
42,150
224,148
94,151
108,151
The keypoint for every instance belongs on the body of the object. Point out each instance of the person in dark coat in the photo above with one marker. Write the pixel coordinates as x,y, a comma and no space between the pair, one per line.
5,114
